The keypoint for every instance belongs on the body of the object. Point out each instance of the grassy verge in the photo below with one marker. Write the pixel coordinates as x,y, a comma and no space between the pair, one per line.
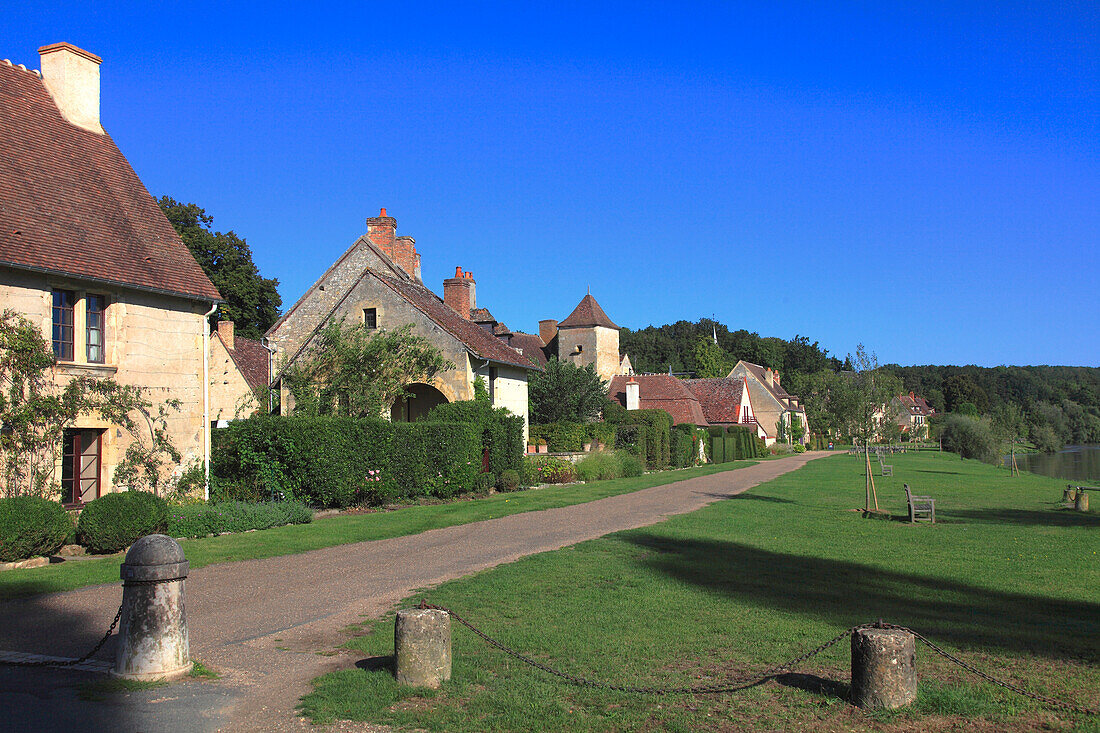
344,529
1005,579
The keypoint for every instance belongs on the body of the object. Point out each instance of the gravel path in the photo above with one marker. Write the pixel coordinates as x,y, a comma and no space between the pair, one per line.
270,625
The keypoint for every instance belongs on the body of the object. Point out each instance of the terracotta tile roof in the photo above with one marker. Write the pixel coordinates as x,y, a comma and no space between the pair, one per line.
531,346
719,398
499,329
481,315
479,341
70,202
661,392
587,313
251,358
915,405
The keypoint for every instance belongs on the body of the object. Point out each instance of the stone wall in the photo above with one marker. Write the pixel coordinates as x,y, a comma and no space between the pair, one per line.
230,396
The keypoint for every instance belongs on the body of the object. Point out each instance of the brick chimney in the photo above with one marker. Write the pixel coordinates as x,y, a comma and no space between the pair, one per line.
459,292
775,376
381,231
225,330
633,394
71,76
548,329
912,396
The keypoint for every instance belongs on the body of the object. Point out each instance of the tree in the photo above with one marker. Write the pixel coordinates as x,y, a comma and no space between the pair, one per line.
1009,427
252,301
565,391
870,402
35,411
960,388
711,360
356,371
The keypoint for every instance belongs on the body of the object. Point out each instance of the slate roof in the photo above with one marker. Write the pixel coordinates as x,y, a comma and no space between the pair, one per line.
587,313
530,346
251,359
70,203
480,342
719,398
661,392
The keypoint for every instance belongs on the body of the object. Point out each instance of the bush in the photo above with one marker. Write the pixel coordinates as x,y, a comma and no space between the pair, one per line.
717,449
658,426
572,436
549,470
970,437
509,480
114,521
631,438
629,465
200,520
799,448
598,467
435,459
31,526
501,432
683,448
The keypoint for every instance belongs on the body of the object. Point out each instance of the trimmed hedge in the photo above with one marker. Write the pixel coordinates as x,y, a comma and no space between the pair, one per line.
631,438
572,436
683,445
340,462
658,426
114,521
501,432
200,520
31,526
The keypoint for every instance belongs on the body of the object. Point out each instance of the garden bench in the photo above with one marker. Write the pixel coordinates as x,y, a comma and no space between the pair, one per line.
921,508
887,469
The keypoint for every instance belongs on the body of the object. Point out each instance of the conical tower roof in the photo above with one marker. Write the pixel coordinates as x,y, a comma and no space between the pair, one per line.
587,313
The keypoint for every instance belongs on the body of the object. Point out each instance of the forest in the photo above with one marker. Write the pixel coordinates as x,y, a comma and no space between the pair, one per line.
1059,405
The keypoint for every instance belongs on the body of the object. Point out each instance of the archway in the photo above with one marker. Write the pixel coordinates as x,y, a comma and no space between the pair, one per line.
417,404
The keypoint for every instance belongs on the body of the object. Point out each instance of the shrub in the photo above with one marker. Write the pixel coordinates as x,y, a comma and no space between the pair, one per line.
799,448
629,465
717,449
114,521
550,470
631,438
200,520
572,436
970,437
598,467
435,459
501,432
658,425
509,480
30,525
683,448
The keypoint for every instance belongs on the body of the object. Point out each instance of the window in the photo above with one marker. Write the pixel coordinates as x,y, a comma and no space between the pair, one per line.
492,384
95,308
80,465
370,318
63,311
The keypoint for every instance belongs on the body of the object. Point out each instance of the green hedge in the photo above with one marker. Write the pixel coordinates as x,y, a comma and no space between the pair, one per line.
683,447
31,526
547,470
631,438
114,521
572,436
717,449
338,462
501,432
200,520
658,427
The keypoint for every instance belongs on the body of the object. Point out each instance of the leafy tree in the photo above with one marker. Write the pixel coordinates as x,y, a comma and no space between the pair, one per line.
35,409
565,391
970,437
711,360
961,388
356,371
870,403
252,301
967,408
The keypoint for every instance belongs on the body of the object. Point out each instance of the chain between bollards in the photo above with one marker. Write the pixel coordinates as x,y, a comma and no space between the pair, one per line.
741,683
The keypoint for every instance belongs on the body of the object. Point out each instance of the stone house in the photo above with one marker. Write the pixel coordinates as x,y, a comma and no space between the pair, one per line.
87,254
770,402
240,370
725,401
376,282
586,336
912,413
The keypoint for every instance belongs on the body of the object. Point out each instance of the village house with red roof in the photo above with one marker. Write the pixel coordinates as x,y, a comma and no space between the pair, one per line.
913,413
770,402
376,283
87,255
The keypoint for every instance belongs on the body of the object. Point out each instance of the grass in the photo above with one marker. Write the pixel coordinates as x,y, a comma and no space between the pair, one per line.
102,689
344,529
1005,579
202,672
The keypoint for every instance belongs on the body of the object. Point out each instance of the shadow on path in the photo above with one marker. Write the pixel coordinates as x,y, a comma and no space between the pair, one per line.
846,593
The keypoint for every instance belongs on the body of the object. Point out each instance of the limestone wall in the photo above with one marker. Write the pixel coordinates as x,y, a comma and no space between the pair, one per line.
230,396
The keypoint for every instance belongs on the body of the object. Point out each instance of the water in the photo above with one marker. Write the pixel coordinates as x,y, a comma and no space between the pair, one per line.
1079,463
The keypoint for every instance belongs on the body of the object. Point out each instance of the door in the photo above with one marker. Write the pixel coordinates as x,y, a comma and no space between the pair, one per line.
81,465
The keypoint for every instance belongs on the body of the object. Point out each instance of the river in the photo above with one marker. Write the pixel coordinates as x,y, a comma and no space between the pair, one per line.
1073,463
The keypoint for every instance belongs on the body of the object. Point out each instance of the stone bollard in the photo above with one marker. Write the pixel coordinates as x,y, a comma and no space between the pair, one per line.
884,674
1081,504
1069,494
152,633
422,647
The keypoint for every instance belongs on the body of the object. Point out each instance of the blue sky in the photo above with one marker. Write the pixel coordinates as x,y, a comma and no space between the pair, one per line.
923,178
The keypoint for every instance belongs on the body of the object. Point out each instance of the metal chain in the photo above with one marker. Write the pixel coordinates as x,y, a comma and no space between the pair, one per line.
97,647
740,683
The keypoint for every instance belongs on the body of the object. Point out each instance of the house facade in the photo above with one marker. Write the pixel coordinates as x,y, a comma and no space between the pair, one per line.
87,255
240,371
913,413
376,283
586,337
770,402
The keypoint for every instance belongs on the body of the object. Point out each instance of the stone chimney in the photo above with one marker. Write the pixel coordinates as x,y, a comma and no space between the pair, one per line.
775,376
71,76
459,292
912,396
769,377
548,329
381,231
225,330
633,394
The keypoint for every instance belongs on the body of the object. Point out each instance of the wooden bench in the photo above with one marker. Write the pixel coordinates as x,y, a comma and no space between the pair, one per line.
921,508
887,469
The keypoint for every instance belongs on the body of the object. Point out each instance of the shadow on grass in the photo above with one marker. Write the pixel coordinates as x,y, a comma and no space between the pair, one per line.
846,593
945,473
761,497
1026,517
377,664
815,685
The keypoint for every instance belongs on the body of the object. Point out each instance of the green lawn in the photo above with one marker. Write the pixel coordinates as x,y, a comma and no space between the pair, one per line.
343,529
1005,579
